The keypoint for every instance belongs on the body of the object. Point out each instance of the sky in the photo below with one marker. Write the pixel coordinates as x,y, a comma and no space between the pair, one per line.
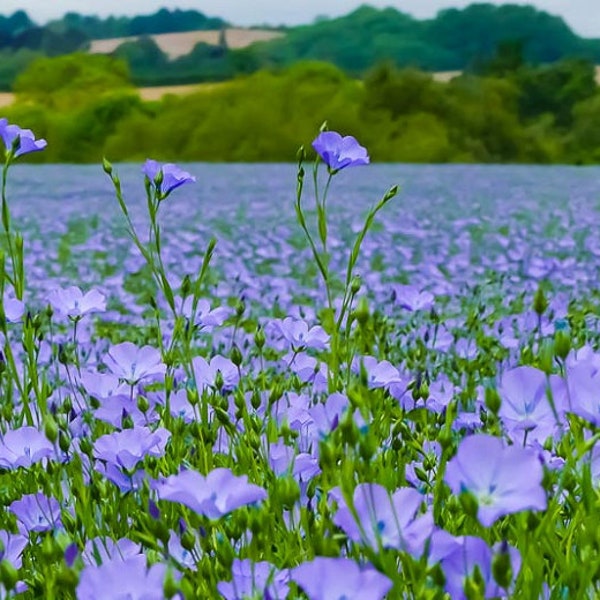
582,15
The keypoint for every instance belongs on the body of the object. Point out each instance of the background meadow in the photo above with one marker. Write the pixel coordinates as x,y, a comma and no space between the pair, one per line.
191,431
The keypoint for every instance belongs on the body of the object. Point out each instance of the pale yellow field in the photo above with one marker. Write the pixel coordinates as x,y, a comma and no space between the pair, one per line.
175,45
150,93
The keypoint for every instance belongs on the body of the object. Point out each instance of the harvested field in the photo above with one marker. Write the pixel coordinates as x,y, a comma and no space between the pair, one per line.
175,45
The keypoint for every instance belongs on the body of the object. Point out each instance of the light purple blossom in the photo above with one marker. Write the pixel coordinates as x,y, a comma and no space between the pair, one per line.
12,545
14,309
118,578
36,512
411,298
384,519
27,142
100,550
473,552
213,496
73,303
133,364
205,317
254,579
339,152
125,449
327,578
583,380
503,480
298,335
172,176
23,447
205,373
525,408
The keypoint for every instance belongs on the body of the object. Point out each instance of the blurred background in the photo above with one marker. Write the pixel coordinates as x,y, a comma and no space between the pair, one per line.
415,81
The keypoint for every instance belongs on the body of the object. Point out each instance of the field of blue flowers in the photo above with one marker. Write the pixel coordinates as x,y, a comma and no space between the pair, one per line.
354,408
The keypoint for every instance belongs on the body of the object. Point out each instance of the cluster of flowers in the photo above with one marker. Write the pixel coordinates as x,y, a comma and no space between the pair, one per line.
198,465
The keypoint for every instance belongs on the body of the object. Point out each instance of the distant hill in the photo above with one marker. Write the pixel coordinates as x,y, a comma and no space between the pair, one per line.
182,47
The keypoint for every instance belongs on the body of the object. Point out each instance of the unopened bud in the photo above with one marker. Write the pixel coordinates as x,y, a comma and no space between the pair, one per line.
540,302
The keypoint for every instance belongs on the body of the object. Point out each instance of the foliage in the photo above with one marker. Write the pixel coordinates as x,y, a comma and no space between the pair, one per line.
85,106
71,80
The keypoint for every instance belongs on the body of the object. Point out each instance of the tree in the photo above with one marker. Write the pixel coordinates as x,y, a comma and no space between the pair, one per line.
71,80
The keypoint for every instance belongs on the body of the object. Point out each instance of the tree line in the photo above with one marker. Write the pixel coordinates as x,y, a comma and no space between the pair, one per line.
87,108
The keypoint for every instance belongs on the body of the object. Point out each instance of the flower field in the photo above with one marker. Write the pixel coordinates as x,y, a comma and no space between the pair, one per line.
209,390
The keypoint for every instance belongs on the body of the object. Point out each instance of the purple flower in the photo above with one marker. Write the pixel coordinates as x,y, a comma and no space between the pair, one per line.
473,552
205,318
132,364
583,380
36,512
380,375
126,448
23,447
12,545
27,142
172,176
13,309
205,373
118,578
254,579
503,480
183,556
101,550
391,521
126,482
102,385
298,335
213,496
411,298
339,152
340,578
525,406
72,302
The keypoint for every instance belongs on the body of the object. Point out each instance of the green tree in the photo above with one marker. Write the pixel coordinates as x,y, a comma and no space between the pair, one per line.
556,89
70,81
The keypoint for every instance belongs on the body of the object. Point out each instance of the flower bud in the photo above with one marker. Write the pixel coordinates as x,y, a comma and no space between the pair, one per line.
186,286
540,302
492,400
240,307
50,428
562,344
143,404
355,284
64,442
469,503
236,356
219,382
259,338
361,313
502,567
108,168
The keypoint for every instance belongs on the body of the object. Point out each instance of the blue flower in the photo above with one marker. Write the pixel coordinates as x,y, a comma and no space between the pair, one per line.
166,177
339,152
26,139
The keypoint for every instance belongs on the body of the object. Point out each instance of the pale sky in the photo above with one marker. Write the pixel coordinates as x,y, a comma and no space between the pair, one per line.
582,15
